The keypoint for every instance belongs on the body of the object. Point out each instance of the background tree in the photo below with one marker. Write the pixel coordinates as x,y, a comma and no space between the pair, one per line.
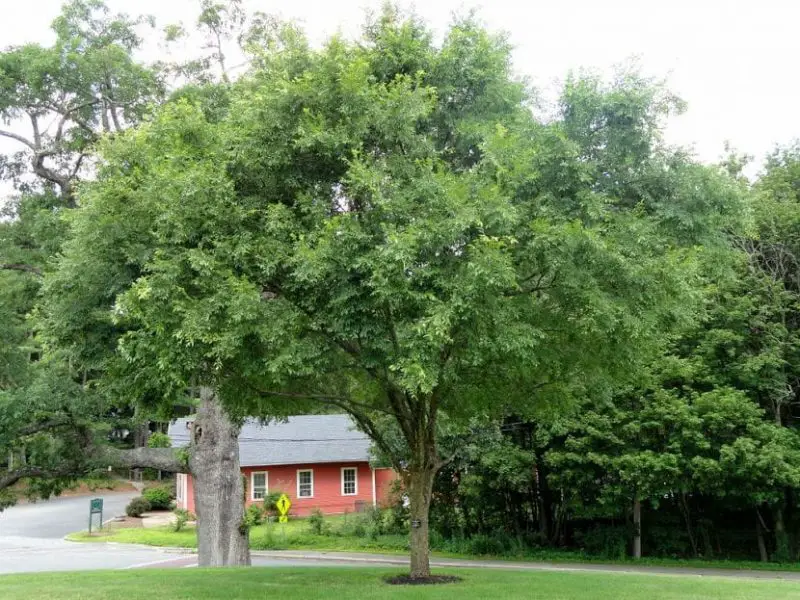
55,103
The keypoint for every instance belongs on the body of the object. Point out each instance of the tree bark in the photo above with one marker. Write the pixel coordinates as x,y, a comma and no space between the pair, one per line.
687,517
781,537
637,527
544,500
420,488
762,546
222,536
166,459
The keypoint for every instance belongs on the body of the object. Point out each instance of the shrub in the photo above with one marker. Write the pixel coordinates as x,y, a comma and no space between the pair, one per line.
254,515
269,502
316,522
485,545
158,440
606,541
137,507
159,497
182,516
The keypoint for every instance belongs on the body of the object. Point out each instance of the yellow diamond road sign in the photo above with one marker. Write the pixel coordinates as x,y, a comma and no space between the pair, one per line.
283,519
283,505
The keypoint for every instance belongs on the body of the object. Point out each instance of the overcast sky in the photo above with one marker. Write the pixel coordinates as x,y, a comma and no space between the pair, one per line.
733,61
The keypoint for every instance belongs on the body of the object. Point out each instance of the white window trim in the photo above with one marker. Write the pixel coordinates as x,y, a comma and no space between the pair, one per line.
179,489
253,485
298,483
356,480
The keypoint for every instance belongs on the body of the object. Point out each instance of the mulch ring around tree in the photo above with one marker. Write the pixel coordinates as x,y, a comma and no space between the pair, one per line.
430,580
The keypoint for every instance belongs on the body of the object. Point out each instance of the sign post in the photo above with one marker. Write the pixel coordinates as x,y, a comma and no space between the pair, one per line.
95,508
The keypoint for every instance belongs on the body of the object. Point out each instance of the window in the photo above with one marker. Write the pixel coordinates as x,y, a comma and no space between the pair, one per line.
179,483
349,481
258,485
305,484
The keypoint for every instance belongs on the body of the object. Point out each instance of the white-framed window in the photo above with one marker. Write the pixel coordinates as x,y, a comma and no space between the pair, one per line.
349,481
179,483
258,485
305,483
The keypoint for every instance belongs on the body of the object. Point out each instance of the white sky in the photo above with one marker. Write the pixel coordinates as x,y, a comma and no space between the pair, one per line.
733,61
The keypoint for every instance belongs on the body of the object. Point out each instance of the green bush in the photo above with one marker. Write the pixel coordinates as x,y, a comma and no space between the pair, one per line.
269,502
316,522
254,515
606,541
159,440
485,545
159,497
137,507
182,516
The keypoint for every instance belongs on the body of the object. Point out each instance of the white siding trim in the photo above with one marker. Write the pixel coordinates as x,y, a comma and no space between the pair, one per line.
374,491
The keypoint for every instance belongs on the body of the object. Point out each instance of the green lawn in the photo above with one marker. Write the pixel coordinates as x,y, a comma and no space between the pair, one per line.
343,583
296,535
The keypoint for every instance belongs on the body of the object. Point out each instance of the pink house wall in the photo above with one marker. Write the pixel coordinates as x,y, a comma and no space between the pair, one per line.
327,487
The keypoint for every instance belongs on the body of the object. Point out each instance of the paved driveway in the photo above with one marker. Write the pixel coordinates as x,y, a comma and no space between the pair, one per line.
31,539
31,536
56,518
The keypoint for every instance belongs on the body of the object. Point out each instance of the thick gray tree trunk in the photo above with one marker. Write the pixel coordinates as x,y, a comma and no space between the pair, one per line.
222,537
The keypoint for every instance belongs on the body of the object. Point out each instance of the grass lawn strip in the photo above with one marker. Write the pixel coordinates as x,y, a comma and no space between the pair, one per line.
345,583
295,536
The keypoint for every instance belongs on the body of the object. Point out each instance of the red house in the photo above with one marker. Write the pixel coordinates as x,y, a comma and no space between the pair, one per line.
319,461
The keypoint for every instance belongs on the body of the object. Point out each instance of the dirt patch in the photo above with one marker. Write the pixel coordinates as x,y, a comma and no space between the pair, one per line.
432,580
124,523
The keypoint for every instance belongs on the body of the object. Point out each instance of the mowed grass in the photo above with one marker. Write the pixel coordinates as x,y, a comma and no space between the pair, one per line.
296,535
344,583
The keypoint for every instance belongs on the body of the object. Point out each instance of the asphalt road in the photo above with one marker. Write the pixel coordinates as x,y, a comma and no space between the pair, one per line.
56,518
31,539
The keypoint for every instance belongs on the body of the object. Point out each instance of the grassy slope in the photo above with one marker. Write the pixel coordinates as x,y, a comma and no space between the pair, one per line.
345,583
295,535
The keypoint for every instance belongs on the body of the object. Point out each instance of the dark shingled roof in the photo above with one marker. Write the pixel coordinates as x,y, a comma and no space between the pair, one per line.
310,439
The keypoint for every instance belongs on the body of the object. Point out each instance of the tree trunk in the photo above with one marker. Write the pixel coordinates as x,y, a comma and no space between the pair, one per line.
687,517
781,538
141,433
637,527
762,546
544,499
420,488
222,537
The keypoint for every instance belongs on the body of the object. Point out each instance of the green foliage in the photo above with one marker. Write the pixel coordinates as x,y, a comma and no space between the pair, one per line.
255,515
159,497
270,501
316,522
137,507
182,516
606,541
159,440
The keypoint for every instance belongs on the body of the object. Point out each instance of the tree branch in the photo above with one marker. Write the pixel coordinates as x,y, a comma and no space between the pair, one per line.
44,426
21,267
19,138
165,459
13,477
